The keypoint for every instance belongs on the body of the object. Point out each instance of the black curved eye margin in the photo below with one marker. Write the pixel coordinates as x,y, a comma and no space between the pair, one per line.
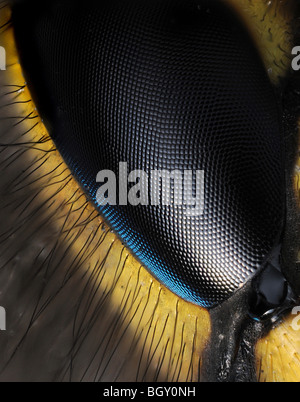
289,253
291,239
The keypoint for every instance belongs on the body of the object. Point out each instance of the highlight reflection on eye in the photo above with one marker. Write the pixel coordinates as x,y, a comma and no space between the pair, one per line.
174,86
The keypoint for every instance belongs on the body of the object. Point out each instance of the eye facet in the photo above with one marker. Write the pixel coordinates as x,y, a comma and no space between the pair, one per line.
165,86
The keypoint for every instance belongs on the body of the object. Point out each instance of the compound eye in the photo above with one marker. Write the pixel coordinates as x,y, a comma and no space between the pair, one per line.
165,115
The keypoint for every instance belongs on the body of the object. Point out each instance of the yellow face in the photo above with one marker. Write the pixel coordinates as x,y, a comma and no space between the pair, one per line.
79,305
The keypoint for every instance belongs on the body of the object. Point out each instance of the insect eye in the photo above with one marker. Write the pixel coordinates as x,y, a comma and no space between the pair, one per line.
164,109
